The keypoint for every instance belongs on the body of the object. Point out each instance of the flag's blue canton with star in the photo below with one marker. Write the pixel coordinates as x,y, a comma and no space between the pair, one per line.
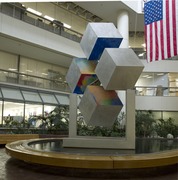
153,11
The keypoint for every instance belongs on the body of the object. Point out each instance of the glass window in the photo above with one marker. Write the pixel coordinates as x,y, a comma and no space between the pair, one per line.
33,112
8,61
41,69
34,67
48,109
48,98
0,95
157,114
1,112
31,96
63,99
13,112
169,114
11,94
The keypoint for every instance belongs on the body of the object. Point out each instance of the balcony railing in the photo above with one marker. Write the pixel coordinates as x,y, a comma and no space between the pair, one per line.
156,91
60,85
31,80
17,11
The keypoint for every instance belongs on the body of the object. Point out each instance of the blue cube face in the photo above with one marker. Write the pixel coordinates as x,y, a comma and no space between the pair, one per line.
99,36
101,44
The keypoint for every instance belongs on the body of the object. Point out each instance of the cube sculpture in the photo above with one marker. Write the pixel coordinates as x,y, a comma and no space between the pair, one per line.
118,69
99,36
80,74
100,107
122,66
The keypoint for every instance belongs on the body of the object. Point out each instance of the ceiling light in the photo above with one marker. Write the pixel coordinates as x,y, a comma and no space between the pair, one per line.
66,25
144,45
141,54
12,69
49,18
29,70
160,74
34,11
145,76
44,74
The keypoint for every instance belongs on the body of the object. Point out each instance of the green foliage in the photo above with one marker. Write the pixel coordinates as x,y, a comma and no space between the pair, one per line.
165,127
57,122
144,123
115,131
52,123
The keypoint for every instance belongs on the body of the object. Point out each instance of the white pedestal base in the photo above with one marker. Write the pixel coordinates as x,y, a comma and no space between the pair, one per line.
94,142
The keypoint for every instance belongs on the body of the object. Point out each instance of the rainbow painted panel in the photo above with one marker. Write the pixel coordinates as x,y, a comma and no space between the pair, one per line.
103,97
87,70
85,66
84,81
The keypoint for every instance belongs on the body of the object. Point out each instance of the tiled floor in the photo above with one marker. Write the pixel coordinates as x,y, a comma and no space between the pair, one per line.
12,169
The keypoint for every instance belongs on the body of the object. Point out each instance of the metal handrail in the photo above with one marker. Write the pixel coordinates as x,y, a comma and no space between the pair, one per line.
156,91
55,82
69,31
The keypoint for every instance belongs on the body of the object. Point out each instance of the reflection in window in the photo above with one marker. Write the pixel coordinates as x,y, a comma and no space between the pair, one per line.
48,98
13,112
48,109
31,96
32,113
157,114
8,61
63,99
165,115
170,114
10,93
43,70
1,112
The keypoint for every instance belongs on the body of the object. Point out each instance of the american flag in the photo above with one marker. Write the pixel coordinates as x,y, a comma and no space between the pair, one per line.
161,29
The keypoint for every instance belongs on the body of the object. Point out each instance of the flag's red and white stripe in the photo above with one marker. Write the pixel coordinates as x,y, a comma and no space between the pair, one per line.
162,36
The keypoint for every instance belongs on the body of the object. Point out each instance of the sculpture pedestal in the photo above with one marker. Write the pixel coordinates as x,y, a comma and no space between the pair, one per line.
127,142
102,142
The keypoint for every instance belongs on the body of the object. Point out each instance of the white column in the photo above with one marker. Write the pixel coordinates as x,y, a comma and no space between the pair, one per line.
123,27
130,117
73,115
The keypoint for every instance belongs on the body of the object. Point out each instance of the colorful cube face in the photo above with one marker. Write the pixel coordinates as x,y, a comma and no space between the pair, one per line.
81,73
99,36
100,107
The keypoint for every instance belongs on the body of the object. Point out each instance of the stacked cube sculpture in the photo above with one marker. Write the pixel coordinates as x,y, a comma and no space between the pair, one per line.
114,68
